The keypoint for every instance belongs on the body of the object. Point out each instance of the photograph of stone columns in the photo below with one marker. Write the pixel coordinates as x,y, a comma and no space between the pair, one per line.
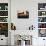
23,40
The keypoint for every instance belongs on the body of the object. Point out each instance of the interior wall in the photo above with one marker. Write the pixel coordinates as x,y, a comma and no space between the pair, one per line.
23,24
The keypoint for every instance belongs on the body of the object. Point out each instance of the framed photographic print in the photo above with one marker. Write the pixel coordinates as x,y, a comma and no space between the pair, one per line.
22,14
23,39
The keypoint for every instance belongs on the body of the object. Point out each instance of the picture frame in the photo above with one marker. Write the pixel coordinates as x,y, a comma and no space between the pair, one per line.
22,14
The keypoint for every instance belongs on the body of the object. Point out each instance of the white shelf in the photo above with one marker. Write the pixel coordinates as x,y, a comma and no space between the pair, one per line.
3,16
3,22
41,28
41,22
3,10
41,10
42,16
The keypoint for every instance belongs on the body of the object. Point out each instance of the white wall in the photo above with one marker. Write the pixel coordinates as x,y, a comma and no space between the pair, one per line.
23,24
